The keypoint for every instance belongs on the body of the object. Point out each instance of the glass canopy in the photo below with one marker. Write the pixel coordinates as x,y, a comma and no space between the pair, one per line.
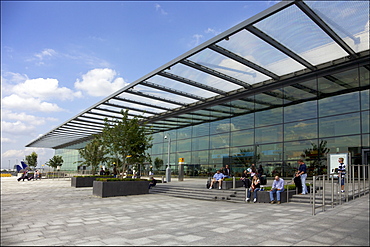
290,39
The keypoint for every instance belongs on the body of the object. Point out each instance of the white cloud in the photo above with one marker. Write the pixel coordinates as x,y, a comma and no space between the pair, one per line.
100,82
43,154
212,31
196,39
159,8
46,53
18,128
44,89
29,119
7,140
28,104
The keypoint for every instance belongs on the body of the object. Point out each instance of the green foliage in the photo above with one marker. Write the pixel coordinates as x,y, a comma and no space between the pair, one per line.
90,176
31,159
93,154
158,163
126,140
56,161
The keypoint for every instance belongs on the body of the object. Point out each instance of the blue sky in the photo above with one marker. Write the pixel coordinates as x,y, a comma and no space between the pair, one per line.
59,58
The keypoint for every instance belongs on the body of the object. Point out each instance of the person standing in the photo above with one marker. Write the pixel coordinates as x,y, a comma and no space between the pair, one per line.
277,188
302,171
115,172
297,182
341,173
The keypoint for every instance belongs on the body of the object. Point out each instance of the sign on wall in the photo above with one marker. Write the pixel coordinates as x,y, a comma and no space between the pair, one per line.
334,163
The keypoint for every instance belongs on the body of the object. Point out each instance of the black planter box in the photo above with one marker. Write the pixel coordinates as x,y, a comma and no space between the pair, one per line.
82,181
226,185
264,196
120,188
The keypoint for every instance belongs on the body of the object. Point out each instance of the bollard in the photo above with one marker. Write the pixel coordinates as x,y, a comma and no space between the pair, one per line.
162,179
168,174
233,183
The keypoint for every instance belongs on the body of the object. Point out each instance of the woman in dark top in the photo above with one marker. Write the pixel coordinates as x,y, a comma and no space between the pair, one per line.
255,186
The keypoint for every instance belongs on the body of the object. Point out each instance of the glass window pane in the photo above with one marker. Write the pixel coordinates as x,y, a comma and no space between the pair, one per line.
305,110
269,134
230,67
200,143
183,145
220,126
268,117
218,155
261,53
341,144
270,152
184,133
364,77
201,129
242,157
296,150
243,137
300,130
220,140
365,122
365,100
243,122
339,104
299,33
366,140
345,124
337,13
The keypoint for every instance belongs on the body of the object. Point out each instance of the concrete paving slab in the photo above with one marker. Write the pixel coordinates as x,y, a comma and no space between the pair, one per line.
68,216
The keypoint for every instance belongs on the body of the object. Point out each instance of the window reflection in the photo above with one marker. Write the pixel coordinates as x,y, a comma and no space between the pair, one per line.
243,137
339,104
346,124
269,134
300,130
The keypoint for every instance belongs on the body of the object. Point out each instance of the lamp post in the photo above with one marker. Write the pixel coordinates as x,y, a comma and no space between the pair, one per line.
168,169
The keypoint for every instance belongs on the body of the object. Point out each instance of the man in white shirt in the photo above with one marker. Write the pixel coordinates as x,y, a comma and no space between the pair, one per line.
277,188
218,177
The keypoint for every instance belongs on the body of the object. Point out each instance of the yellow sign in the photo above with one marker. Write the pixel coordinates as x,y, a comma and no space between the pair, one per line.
181,159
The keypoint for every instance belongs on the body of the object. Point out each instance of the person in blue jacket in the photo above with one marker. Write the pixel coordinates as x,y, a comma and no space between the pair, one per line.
218,177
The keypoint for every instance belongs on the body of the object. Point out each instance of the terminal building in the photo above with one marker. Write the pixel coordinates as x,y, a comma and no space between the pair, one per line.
289,83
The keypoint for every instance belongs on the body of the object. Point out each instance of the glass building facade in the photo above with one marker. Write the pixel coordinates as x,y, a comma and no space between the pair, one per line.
308,120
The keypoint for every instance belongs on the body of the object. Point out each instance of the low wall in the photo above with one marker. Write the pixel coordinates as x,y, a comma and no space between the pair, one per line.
120,188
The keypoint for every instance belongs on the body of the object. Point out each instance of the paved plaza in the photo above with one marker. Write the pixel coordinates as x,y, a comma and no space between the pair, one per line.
51,212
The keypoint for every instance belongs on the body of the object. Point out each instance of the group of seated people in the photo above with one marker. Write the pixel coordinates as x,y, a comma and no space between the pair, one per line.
251,179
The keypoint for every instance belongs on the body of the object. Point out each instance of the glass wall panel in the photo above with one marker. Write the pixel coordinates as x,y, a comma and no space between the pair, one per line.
270,152
243,156
201,129
217,156
200,143
366,140
328,85
365,121
184,133
269,117
243,137
364,77
365,100
158,148
346,124
243,122
305,110
272,169
220,126
269,134
220,140
300,130
341,144
200,157
340,104
298,149
183,145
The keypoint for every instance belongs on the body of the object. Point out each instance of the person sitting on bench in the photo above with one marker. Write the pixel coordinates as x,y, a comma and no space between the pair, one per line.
277,188
218,177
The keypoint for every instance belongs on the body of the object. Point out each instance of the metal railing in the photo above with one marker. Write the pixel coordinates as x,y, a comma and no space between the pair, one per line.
355,185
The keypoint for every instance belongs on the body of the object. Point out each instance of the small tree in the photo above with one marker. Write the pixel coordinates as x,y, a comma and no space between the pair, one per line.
56,161
127,140
158,163
32,159
93,154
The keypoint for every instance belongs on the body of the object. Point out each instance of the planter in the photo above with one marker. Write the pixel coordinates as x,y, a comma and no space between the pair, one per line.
82,181
264,196
226,185
120,188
